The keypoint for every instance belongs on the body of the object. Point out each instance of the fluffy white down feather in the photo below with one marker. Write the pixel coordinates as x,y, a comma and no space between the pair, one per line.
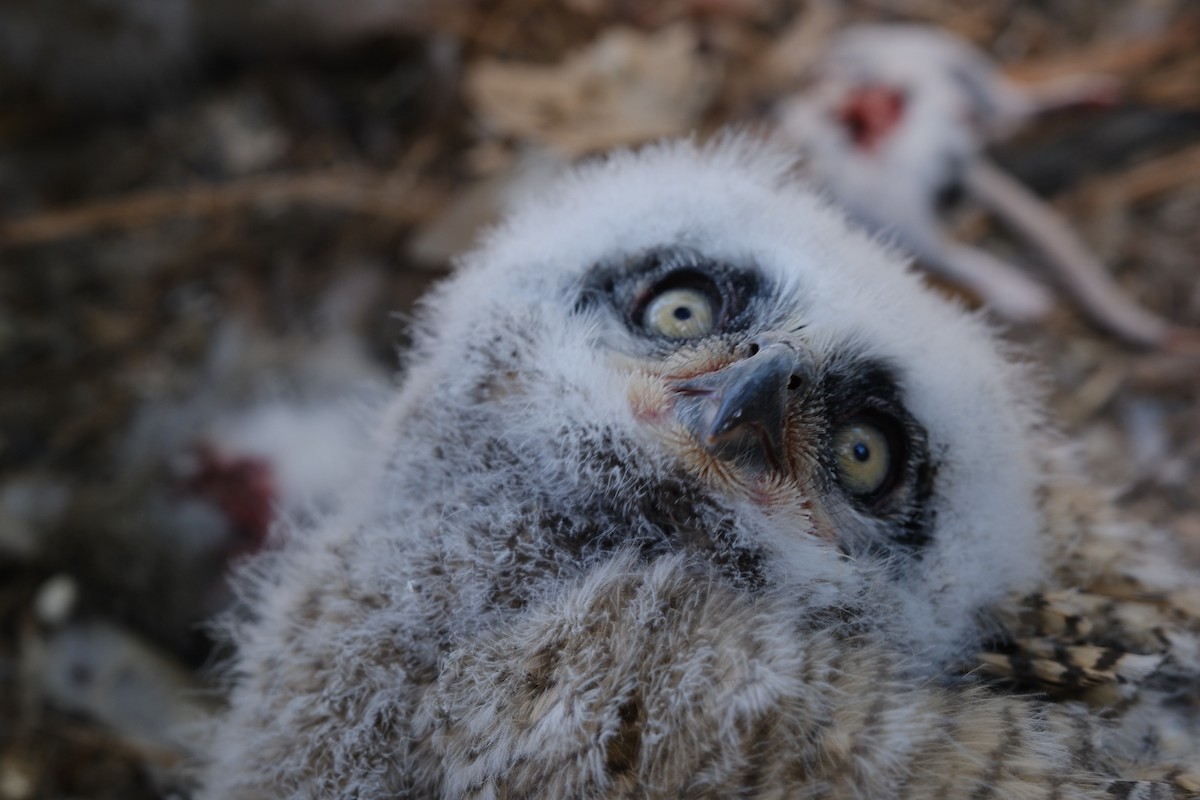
534,595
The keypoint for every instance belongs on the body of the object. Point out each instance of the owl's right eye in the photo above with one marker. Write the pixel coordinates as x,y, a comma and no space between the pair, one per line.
679,314
685,306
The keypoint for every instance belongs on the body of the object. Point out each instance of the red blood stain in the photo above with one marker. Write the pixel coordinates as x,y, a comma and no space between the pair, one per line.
870,114
244,488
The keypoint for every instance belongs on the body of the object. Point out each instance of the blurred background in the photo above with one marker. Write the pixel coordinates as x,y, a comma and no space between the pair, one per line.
216,216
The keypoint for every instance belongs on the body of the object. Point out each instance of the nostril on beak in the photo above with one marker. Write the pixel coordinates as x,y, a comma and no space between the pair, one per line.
795,382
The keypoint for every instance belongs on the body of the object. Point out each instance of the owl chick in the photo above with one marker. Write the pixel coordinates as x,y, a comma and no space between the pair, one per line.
691,490
898,118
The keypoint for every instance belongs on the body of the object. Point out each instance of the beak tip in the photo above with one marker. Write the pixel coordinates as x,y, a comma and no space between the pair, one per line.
724,425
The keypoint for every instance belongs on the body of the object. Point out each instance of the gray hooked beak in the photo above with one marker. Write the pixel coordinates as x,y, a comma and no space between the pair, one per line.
737,413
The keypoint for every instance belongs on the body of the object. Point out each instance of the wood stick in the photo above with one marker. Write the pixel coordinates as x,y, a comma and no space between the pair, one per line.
1147,181
354,189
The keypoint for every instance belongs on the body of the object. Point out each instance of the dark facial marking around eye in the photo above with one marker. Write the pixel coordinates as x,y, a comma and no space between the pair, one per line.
877,453
673,293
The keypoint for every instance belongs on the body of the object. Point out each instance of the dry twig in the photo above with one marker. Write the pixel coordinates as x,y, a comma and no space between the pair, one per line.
349,189
1149,180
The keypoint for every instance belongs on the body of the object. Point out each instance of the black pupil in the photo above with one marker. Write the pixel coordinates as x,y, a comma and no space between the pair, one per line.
861,452
682,313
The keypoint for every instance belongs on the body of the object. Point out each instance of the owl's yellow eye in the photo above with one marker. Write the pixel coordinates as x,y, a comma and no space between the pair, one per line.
680,313
864,458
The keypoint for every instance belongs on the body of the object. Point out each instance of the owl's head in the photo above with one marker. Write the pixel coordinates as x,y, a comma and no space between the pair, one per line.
684,349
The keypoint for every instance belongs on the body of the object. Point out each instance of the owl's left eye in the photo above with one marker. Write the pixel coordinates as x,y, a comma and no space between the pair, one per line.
868,457
684,307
